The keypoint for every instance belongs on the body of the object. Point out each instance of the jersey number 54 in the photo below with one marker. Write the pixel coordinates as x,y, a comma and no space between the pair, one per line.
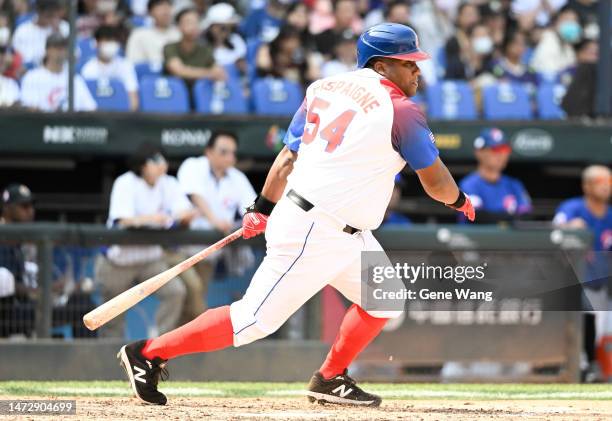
333,133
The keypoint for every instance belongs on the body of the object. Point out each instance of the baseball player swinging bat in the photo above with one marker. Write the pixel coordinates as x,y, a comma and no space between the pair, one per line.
111,309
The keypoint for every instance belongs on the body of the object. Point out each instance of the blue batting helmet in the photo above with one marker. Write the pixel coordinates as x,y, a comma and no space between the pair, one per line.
389,40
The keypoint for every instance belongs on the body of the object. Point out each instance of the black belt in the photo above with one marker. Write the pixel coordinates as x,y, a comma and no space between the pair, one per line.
306,206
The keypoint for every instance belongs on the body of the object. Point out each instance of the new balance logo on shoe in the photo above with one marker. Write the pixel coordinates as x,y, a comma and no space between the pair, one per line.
341,391
139,373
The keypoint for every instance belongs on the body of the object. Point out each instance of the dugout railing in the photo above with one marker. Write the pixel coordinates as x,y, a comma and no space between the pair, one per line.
412,347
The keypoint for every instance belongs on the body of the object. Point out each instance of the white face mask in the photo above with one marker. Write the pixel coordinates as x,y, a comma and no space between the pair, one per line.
5,35
483,45
109,49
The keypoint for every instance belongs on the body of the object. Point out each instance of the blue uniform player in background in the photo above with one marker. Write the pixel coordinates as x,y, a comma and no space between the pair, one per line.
593,211
497,197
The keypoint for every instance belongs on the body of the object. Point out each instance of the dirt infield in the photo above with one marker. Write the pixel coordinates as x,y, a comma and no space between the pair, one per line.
298,409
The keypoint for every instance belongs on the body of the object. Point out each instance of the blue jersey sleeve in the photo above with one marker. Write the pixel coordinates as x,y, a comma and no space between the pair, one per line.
293,137
411,135
522,197
567,211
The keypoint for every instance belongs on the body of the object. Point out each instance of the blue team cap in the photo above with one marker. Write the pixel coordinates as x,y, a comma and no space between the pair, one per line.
493,138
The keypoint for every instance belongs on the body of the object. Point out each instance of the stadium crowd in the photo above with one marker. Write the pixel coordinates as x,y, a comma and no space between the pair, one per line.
541,48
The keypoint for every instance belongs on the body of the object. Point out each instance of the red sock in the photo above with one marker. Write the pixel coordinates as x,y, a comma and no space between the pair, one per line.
210,331
357,330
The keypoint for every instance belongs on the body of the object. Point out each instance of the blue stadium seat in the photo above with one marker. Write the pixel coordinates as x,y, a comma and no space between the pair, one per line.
219,97
506,101
110,94
451,100
163,95
276,96
147,69
549,98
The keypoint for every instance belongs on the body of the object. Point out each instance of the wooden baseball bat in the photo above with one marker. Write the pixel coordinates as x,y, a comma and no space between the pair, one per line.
117,305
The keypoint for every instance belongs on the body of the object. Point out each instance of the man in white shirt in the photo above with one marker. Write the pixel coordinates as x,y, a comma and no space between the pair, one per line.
109,65
221,194
147,44
9,90
147,197
46,87
30,38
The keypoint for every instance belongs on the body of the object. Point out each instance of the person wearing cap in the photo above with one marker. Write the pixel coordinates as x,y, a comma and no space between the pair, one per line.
219,26
17,264
30,37
16,288
263,24
326,190
108,64
143,197
496,196
46,87
146,44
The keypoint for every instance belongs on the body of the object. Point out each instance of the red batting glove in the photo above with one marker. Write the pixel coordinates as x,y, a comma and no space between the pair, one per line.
255,219
464,205
253,223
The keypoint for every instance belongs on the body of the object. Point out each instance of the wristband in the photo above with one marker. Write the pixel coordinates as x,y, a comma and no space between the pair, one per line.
459,202
262,205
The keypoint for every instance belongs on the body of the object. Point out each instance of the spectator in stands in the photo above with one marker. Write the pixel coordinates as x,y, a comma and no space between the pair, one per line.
343,59
228,46
70,301
146,44
475,59
555,50
263,24
433,21
579,101
93,13
46,87
534,13
221,193
110,65
497,23
396,11
510,66
458,49
12,65
144,197
30,37
189,58
297,18
497,196
9,90
345,14
592,211
286,58
392,215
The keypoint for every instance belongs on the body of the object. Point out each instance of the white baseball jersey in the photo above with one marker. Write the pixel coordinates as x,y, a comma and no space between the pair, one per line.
354,133
226,197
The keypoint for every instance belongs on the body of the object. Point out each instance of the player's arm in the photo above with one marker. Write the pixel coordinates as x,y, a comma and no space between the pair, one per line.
415,142
276,181
440,185
255,220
